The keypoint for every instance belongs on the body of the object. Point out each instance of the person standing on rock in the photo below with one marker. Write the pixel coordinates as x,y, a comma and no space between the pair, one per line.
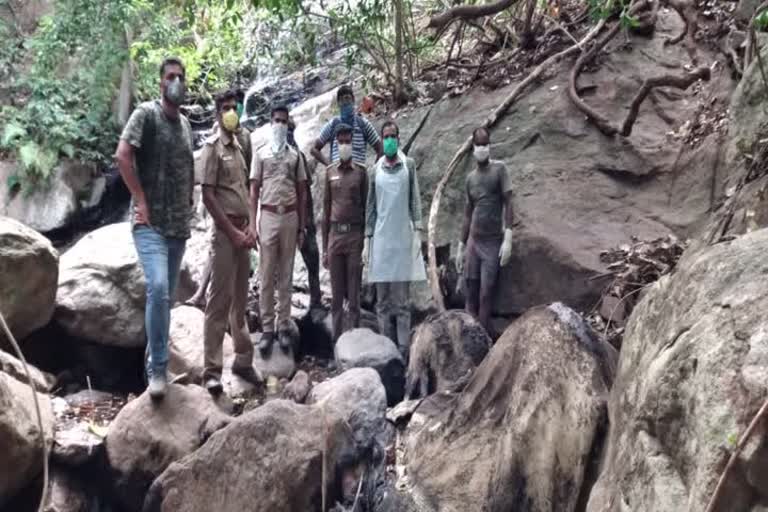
158,139
309,251
488,244
225,195
345,192
393,229
278,190
243,135
363,132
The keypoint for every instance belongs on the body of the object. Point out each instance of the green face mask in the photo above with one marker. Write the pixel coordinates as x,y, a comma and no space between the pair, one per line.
240,110
390,146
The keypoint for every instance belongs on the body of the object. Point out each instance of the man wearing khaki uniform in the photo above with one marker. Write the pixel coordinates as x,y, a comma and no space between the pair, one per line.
225,195
278,189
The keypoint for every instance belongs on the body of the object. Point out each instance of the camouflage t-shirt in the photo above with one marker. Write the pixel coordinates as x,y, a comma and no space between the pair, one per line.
164,165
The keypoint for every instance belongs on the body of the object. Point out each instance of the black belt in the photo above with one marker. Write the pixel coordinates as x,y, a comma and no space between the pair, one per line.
345,227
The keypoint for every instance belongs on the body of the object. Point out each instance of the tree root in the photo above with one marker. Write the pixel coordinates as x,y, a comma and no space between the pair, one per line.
687,11
679,82
443,19
735,455
489,123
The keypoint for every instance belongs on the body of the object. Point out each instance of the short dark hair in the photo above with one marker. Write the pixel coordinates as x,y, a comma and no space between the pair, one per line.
240,94
172,61
387,124
479,130
344,89
279,107
223,97
342,128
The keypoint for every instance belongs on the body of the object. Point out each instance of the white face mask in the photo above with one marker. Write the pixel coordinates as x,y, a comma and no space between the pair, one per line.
482,153
345,152
279,136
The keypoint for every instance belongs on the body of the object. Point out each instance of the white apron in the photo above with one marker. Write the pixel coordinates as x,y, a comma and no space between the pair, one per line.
395,253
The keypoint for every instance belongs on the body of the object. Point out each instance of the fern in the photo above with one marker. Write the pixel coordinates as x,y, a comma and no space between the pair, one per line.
11,133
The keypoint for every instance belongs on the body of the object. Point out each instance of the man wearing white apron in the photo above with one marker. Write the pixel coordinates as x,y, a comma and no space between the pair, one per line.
393,237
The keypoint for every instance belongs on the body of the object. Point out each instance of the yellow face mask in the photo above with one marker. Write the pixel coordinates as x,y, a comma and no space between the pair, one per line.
230,120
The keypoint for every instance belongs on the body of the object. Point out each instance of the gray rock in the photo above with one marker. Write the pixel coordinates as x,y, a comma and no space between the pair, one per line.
270,458
299,387
186,350
66,493
14,367
101,294
278,363
359,397
360,348
577,192
29,268
146,437
692,374
520,436
73,185
20,435
444,353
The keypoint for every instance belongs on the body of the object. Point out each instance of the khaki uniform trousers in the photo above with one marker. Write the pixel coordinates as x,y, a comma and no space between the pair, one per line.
278,237
346,276
227,300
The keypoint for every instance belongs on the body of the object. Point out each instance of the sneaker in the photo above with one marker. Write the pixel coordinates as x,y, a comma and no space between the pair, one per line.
213,386
157,385
265,343
248,374
285,341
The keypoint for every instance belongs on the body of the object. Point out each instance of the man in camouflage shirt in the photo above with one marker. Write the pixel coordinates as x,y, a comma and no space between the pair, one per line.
155,160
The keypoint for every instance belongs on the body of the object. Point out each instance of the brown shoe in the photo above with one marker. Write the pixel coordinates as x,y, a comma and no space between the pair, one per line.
248,374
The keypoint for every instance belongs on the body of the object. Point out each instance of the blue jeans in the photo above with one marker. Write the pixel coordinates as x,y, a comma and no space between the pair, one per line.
161,259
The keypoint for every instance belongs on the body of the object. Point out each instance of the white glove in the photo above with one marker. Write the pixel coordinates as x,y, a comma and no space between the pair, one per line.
506,248
366,250
460,258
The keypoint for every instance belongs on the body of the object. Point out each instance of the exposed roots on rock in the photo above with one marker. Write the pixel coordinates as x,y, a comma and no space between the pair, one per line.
679,82
466,12
687,11
489,123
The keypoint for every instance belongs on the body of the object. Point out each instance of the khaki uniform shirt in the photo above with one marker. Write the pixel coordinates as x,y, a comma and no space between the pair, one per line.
224,169
278,175
344,203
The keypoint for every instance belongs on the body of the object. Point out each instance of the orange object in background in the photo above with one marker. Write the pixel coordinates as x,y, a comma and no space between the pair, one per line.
367,105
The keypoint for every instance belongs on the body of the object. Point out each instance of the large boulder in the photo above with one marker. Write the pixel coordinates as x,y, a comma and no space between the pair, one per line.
271,458
72,187
520,436
15,368
362,348
20,435
692,375
577,192
445,350
66,493
185,343
359,396
29,268
146,437
101,295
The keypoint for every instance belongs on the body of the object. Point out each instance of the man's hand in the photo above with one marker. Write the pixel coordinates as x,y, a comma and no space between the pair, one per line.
366,250
141,213
240,239
250,238
460,258
505,254
325,261
300,239
253,231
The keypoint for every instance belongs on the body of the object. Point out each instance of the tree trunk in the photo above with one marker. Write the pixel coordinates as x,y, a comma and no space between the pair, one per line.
399,88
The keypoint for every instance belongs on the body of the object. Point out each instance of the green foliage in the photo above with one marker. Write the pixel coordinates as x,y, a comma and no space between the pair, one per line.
761,21
603,9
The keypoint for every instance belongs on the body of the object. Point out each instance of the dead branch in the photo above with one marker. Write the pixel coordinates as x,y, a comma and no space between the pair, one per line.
434,209
678,82
735,455
687,11
603,123
465,12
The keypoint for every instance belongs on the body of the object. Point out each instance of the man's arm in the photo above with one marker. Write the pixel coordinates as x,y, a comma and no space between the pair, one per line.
372,138
301,192
326,227
364,189
509,217
124,157
415,200
370,204
326,134
256,175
